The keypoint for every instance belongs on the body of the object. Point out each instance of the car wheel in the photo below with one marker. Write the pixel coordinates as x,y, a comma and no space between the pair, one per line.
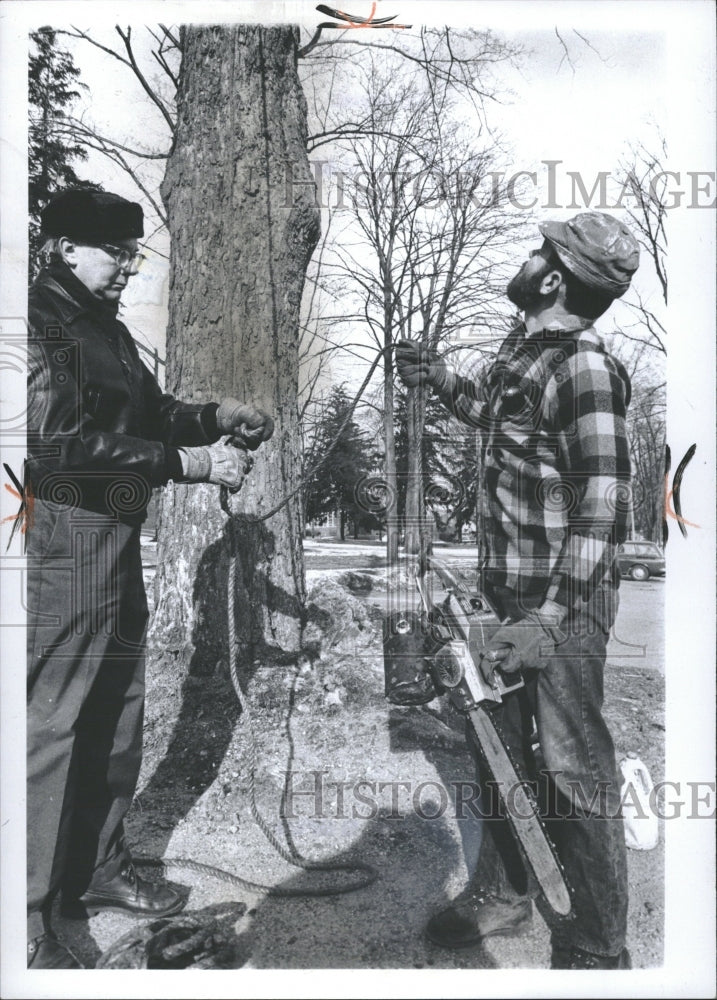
639,572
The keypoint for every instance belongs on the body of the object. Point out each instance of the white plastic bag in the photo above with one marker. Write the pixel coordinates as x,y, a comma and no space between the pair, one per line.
639,814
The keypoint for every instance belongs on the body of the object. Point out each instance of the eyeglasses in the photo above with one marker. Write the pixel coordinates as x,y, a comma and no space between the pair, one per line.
122,257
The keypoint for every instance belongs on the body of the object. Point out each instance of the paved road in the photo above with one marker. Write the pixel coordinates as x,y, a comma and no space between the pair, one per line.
637,639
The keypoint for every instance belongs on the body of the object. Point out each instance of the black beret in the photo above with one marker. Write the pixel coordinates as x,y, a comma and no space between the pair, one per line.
92,217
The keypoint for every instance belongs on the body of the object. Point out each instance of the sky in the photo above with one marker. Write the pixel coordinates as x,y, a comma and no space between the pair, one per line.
581,109
585,113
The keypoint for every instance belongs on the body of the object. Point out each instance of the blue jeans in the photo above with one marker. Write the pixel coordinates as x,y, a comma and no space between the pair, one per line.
573,768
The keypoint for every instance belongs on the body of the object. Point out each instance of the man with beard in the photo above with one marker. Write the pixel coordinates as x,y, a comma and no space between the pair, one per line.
551,411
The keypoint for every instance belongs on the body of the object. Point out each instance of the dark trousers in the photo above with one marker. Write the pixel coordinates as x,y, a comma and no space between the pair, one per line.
86,623
574,770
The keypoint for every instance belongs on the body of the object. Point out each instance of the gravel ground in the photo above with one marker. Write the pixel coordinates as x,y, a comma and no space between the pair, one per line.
328,722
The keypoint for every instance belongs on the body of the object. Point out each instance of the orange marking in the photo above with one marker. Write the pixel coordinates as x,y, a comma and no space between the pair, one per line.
26,513
360,24
669,510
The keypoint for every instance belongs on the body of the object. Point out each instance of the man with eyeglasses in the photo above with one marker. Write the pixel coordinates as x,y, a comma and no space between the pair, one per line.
551,411
101,436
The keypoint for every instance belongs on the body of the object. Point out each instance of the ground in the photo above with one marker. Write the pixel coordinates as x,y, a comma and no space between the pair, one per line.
369,783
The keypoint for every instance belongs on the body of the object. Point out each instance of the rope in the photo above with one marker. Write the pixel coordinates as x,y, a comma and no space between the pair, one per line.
188,864
337,437
290,855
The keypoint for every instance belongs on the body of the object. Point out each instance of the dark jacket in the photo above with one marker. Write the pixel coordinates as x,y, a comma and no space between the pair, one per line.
101,433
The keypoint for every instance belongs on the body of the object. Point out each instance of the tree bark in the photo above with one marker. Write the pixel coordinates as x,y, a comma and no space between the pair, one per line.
241,243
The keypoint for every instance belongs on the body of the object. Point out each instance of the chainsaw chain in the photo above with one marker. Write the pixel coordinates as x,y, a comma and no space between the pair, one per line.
530,795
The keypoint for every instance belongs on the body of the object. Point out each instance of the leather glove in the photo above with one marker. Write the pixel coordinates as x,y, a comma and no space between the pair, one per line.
526,643
248,423
222,463
417,365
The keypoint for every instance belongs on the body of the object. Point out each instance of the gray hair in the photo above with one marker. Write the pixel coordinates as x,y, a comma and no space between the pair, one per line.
50,252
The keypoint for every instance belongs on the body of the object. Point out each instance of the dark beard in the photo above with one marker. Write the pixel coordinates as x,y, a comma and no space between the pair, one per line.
524,291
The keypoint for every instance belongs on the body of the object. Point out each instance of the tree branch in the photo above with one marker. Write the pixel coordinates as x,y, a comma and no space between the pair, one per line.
77,128
311,44
140,76
76,33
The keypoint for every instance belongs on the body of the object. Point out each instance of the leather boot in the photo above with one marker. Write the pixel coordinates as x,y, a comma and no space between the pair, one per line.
560,956
580,959
46,952
125,893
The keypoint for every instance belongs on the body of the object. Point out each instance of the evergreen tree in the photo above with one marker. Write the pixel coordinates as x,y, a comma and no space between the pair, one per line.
351,458
449,462
53,87
466,472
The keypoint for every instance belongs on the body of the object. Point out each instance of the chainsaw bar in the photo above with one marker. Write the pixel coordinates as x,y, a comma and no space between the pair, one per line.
522,814
467,623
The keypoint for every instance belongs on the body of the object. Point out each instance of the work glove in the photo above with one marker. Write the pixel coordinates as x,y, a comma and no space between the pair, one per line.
526,644
417,365
248,423
223,463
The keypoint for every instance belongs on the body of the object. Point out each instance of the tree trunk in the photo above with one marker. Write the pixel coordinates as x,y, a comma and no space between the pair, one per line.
240,247
389,430
480,501
417,533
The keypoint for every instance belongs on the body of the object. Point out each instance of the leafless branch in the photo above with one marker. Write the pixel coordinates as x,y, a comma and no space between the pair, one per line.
80,130
114,154
566,53
641,168
85,36
154,97
590,46
163,63
311,44
172,38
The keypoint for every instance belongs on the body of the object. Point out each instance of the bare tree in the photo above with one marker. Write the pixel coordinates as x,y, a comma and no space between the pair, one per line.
643,178
149,66
646,430
425,272
430,236
642,344
646,433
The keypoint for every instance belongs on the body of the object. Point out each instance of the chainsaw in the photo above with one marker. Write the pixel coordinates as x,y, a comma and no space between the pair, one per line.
459,627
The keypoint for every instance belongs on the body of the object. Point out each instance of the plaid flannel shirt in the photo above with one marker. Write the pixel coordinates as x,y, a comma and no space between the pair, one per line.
556,485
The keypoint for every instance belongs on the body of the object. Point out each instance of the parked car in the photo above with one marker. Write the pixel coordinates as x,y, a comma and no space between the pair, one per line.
640,560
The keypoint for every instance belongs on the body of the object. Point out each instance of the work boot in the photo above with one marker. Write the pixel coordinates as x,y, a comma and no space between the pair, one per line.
125,893
580,959
46,952
475,915
560,956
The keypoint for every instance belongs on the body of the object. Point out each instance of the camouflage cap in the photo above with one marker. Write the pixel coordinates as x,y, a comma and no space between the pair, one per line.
597,249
